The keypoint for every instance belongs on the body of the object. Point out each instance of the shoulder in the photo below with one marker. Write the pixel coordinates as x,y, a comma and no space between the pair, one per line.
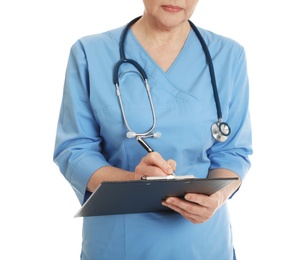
101,40
219,42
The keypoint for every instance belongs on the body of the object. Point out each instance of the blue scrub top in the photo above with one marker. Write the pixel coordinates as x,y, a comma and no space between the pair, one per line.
91,134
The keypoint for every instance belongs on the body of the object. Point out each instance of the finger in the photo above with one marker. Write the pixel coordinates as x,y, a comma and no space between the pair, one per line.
200,199
150,171
156,159
153,165
184,205
172,164
209,202
196,207
194,218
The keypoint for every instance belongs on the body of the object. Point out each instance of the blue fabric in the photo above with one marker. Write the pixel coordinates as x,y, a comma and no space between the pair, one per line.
91,134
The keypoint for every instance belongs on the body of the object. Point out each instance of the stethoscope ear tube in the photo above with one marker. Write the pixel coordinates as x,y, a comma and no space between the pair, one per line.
142,74
211,69
123,36
134,63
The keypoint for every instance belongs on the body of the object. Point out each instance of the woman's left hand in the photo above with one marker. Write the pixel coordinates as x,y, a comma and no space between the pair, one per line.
197,208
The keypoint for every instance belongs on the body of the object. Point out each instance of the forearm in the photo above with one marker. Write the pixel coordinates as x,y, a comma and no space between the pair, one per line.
153,164
227,191
108,173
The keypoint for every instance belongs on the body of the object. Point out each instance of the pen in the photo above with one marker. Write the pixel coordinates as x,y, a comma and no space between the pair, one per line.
147,147
144,144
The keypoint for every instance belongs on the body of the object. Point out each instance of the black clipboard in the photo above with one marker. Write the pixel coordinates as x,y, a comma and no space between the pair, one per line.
144,196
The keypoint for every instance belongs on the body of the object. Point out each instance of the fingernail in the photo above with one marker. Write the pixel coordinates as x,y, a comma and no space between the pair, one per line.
170,171
168,200
187,197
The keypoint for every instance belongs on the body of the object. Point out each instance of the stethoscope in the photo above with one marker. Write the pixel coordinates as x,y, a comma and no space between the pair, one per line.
220,130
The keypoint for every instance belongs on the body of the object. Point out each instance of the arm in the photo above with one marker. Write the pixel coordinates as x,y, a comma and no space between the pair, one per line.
228,159
78,144
151,165
78,148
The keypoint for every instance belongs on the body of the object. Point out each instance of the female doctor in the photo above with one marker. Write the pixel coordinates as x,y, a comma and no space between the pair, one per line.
91,143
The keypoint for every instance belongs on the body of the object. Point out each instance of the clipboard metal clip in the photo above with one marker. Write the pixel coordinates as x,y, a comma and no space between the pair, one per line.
168,177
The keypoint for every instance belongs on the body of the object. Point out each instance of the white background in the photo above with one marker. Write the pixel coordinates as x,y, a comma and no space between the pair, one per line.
38,205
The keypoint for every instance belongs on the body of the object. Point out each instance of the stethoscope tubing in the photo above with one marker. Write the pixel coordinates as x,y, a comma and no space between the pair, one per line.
132,62
220,136
211,70
123,36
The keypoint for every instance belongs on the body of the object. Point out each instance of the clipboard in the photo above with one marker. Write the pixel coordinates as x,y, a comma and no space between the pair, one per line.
142,196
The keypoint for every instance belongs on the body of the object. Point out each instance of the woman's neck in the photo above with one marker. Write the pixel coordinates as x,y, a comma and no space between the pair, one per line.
163,45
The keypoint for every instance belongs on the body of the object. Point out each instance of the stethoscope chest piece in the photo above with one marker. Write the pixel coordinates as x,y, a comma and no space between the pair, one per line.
220,131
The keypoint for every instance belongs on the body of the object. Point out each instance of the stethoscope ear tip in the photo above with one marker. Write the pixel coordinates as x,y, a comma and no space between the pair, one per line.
157,135
130,134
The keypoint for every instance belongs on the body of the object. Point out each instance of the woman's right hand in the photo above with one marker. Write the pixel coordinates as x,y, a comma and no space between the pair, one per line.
153,164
